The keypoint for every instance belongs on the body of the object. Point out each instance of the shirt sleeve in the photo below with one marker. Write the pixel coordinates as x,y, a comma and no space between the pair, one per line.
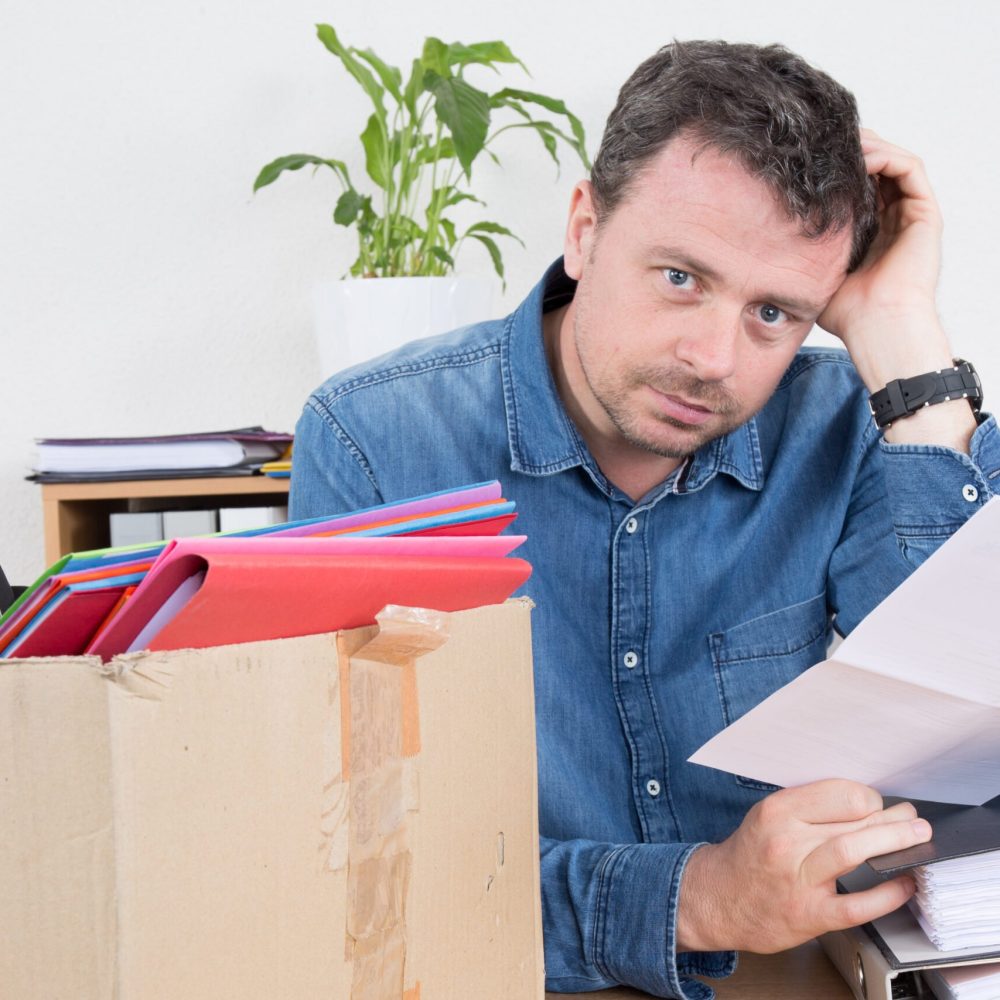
609,916
330,473
908,499
933,490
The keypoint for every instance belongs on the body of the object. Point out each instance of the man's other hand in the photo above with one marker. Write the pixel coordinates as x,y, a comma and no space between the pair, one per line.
772,884
885,311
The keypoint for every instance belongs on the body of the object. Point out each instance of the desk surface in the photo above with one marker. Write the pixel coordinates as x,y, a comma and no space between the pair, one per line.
802,972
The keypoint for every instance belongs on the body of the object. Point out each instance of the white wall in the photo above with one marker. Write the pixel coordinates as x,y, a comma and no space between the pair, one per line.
144,290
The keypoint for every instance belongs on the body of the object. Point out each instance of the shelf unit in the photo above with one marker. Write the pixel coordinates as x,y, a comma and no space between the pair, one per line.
76,514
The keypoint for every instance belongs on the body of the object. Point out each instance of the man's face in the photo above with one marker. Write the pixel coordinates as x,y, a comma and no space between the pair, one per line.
693,296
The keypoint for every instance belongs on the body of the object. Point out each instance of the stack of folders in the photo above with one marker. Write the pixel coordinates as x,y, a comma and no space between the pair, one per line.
212,453
442,551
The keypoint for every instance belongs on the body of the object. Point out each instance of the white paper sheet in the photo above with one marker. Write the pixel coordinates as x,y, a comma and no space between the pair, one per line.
958,901
968,982
910,704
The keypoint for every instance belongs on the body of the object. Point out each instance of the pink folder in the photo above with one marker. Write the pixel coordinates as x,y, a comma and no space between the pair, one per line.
271,587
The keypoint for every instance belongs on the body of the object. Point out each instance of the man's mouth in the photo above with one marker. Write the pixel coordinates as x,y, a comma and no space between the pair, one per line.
678,408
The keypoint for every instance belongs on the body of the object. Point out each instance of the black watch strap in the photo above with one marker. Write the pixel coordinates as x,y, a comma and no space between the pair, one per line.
907,395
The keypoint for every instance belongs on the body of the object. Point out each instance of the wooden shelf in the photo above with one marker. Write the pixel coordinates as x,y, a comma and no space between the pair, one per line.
76,514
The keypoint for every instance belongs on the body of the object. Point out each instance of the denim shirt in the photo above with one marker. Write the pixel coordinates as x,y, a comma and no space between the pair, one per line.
657,622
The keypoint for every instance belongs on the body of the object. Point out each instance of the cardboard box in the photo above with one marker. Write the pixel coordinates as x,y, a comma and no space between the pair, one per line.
341,817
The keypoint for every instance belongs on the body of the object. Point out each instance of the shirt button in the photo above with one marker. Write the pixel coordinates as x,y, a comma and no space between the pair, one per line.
653,787
631,659
970,493
631,525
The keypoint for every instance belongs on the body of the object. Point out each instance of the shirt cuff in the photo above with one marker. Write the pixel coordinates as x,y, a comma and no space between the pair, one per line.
934,490
637,933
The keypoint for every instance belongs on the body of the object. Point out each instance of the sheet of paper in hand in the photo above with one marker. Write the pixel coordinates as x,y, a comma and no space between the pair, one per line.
910,702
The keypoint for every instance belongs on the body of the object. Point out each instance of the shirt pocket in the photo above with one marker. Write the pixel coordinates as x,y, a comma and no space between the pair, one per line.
752,660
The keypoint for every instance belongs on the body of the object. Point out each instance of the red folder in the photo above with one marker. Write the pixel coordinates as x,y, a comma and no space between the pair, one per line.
244,599
66,621
70,624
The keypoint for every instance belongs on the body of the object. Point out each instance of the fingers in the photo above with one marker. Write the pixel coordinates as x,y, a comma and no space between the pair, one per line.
839,855
886,160
894,814
834,800
854,908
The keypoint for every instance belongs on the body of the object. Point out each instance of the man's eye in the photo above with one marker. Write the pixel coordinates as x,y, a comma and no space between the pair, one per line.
676,277
771,314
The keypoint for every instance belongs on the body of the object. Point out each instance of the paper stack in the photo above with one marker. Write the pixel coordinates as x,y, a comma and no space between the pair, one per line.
965,982
958,902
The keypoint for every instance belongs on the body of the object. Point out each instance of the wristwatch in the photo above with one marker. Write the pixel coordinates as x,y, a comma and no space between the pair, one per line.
905,396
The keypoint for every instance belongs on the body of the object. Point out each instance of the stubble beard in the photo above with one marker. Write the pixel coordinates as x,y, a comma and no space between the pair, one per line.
618,401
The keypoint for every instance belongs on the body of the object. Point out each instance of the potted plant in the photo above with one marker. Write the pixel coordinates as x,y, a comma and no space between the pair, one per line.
420,144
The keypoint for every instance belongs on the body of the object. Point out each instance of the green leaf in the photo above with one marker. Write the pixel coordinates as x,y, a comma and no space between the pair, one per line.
492,227
296,161
435,57
482,53
349,204
376,153
430,153
508,94
414,87
361,73
549,103
449,230
494,252
548,140
547,132
391,77
514,106
442,255
466,113
457,196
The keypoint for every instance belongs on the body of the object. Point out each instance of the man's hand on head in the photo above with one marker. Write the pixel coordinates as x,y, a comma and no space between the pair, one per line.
772,884
885,311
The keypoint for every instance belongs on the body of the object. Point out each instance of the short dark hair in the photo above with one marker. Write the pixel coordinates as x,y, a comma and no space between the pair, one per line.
788,124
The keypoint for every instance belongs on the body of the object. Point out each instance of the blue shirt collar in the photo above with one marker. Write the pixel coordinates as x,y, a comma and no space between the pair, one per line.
543,439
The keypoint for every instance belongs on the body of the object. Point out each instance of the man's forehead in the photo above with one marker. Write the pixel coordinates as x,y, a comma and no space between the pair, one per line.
691,196
689,171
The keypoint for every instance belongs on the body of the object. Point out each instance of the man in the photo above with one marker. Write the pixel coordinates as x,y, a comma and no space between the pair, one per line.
703,500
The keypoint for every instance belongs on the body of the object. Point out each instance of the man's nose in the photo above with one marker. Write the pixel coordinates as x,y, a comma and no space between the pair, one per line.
709,343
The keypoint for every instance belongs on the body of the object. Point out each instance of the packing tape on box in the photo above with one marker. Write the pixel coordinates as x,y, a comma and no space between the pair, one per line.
402,635
380,758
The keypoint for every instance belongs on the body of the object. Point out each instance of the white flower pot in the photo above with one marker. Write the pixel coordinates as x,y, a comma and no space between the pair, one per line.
361,318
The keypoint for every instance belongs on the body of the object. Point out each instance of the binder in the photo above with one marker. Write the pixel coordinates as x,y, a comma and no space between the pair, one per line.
881,960
280,587
232,599
958,832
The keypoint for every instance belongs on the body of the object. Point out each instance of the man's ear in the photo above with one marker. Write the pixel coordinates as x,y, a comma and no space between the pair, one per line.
581,229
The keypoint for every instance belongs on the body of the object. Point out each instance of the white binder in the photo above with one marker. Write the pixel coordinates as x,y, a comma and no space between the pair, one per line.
882,960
